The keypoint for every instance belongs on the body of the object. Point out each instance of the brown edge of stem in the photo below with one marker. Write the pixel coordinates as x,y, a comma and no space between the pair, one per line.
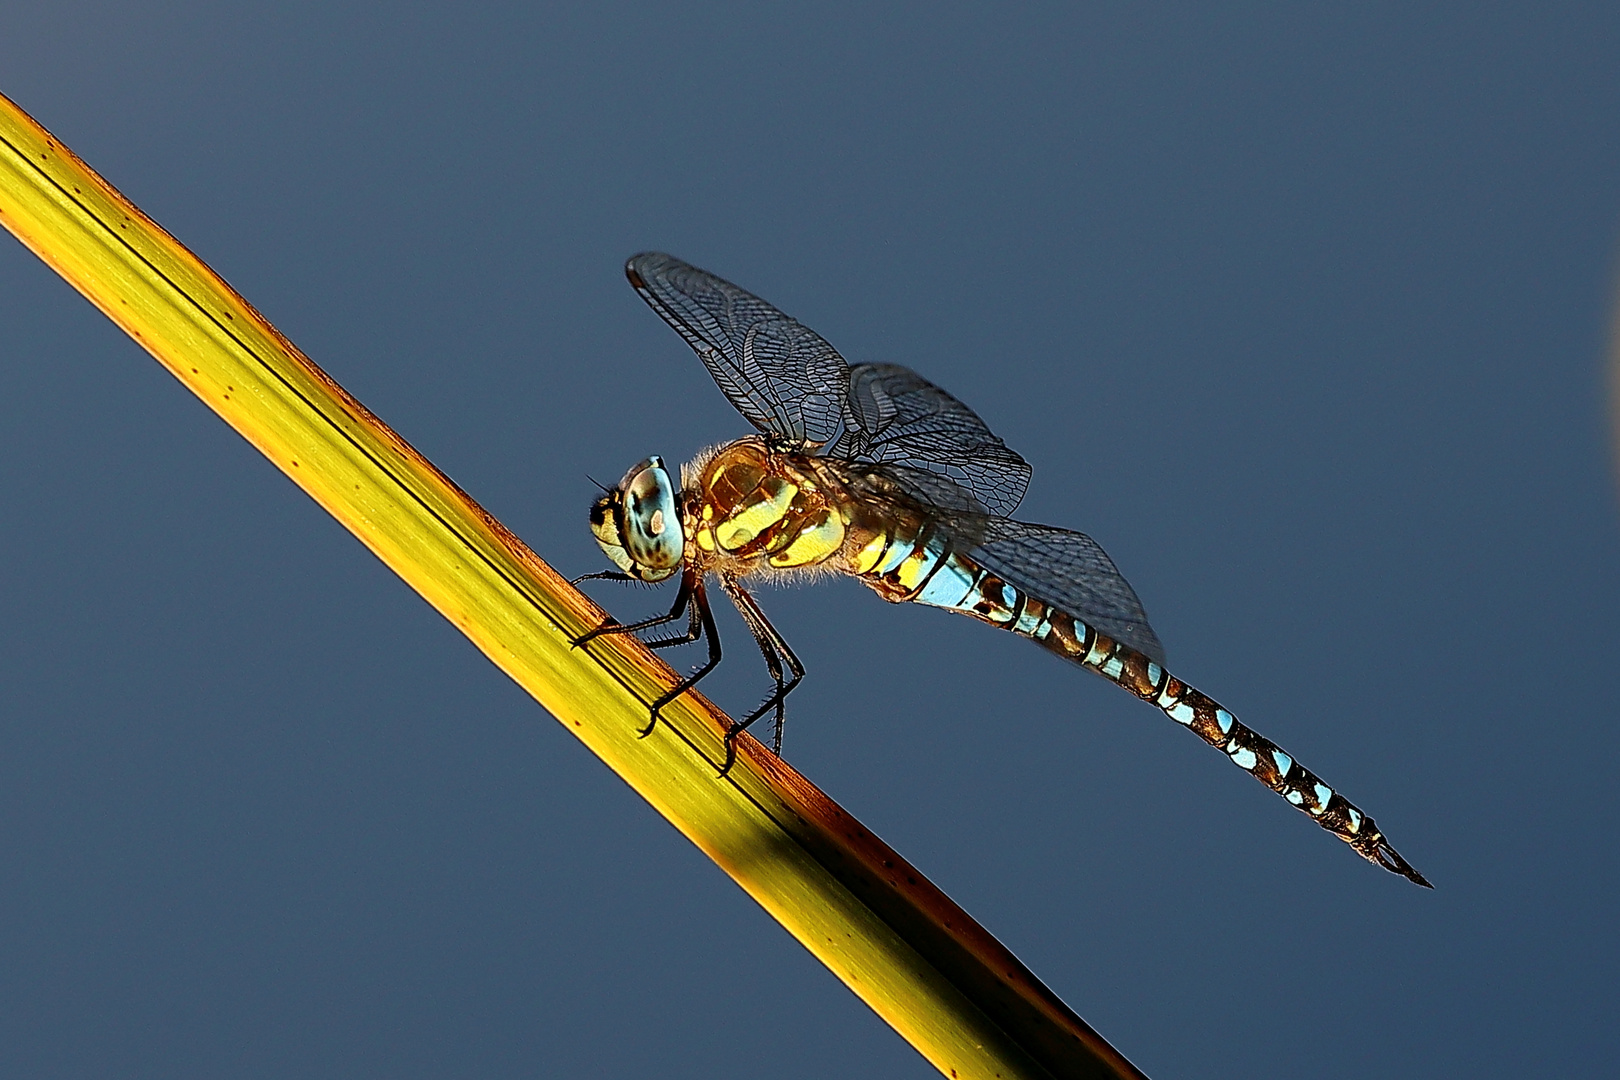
918,912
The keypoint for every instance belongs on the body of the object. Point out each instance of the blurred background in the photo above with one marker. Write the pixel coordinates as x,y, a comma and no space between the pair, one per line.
1301,312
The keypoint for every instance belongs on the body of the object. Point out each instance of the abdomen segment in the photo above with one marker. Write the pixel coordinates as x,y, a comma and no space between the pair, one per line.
921,570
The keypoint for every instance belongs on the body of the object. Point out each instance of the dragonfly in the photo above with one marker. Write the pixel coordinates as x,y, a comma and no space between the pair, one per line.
871,471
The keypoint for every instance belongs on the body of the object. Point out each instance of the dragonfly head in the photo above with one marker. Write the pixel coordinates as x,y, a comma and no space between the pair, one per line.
638,523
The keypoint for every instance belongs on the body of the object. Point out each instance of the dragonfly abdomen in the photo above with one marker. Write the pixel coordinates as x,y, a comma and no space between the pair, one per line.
920,570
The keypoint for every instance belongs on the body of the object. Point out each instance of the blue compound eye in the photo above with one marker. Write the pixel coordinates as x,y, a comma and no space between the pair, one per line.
653,535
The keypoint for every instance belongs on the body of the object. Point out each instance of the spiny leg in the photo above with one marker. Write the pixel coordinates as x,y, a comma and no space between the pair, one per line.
693,598
753,618
603,575
773,664
694,631
772,646
703,621
682,597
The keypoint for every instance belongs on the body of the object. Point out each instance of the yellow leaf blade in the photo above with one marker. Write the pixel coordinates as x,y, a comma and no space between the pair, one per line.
936,976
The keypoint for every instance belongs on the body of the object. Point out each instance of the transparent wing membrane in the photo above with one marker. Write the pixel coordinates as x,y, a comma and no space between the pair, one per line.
895,415
1065,570
1071,572
780,374
790,384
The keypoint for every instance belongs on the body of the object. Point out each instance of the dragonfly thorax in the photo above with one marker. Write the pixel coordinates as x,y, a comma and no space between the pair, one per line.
638,523
754,508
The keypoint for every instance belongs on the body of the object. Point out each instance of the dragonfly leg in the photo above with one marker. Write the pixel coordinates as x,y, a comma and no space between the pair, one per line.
776,650
604,575
702,623
694,631
682,598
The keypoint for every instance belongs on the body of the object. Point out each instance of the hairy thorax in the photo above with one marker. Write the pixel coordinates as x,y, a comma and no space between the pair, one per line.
750,509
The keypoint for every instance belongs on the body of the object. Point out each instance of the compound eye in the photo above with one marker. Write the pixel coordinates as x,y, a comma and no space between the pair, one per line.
652,518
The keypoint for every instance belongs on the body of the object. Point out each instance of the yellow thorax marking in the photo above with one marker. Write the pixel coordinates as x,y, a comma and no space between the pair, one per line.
750,520
822,535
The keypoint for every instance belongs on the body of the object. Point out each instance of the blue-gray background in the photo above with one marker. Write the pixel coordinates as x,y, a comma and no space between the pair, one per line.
1301,312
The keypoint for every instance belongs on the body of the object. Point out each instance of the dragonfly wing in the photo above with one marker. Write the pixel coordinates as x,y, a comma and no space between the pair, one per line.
1066,570
1071,572
935,493
895,415
780,374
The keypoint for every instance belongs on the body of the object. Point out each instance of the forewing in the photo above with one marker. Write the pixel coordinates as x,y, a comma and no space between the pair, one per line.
895,415
780,374
1072,573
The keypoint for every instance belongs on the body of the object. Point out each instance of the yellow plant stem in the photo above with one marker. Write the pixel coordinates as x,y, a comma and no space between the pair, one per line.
917,959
